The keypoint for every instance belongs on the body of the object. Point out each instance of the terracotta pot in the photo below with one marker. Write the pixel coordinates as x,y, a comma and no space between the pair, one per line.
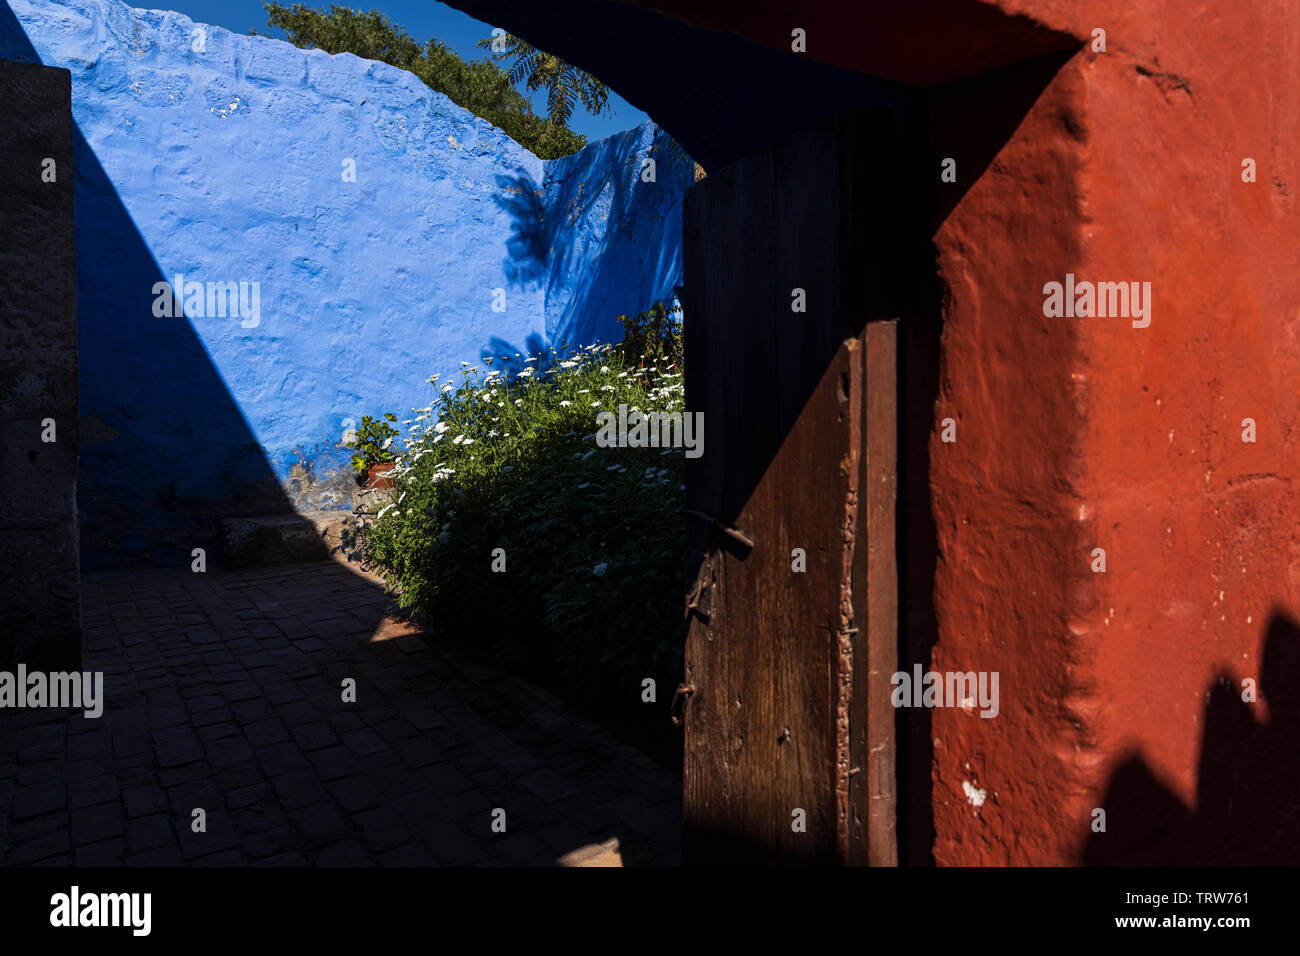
377,474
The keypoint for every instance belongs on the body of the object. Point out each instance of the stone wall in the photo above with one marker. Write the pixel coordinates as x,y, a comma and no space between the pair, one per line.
40,601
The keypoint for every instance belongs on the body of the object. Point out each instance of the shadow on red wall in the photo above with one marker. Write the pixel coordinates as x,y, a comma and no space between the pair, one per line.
1247,808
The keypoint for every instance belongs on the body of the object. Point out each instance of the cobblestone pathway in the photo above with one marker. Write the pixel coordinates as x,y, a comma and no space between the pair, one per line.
224,692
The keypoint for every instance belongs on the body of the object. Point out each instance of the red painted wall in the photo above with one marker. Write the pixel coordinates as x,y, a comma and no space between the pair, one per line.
1010,553
1087,432
1200,528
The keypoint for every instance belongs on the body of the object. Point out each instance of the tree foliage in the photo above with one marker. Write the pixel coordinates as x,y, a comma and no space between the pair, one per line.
479,86
565,84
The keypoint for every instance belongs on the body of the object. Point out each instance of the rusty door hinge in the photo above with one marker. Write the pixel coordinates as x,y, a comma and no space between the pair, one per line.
678,710
693,599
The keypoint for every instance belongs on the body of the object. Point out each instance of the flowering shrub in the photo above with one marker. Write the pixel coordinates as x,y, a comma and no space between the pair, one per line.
587,579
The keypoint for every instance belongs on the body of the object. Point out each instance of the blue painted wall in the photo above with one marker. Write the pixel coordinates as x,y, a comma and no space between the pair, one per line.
222,158
615,233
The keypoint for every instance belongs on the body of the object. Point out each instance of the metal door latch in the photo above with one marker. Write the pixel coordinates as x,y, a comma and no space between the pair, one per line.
737,536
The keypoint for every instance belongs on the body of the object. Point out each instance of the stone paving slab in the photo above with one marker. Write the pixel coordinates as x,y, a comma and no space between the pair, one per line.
224,692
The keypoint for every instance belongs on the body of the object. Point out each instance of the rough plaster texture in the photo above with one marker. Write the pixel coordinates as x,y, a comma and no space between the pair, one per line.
40,587
222,158
1086,433
1127,167
1009,552
1119,691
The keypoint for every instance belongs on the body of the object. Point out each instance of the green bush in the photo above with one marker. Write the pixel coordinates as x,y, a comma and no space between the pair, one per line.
592,537
373,442
655,334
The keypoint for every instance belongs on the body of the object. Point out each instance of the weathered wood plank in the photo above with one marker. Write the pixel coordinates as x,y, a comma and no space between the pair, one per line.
875,752
776,656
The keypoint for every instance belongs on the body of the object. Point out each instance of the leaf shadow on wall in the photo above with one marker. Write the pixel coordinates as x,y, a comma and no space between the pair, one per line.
510,358
1246,811
601,238
519,196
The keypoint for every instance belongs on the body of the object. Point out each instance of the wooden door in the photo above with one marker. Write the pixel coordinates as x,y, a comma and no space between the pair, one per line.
791,576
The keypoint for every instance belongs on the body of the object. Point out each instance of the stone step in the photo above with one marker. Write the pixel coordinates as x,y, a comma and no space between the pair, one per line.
272,540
